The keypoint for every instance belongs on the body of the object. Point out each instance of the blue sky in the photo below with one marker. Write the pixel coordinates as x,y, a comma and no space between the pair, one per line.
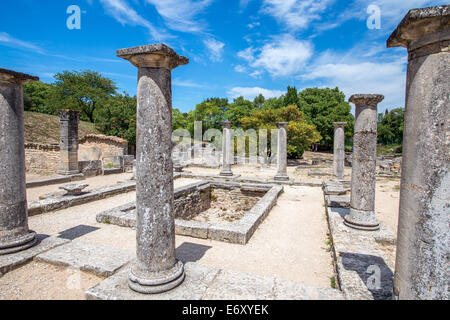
235,47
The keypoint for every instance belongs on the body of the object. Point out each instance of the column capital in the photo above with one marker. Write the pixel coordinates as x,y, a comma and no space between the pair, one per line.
69,115
282,124
153,56
13,77
226,124
421,27
366,99
339,124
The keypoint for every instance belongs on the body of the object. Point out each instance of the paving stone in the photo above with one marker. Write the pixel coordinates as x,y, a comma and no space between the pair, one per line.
233,285
289,290
44,243
198,278
103,261
335,201
335,188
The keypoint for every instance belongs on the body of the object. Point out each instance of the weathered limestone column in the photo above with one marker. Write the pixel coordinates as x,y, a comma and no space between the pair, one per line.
14,233
227,148
68,121
282,152
339,149
156,269
422,266
362,202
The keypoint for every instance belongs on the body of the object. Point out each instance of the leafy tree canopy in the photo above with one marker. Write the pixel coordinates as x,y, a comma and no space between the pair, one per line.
390,126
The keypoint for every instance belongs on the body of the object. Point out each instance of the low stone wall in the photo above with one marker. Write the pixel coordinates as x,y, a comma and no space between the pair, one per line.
44,159
94,147
191,200
41,158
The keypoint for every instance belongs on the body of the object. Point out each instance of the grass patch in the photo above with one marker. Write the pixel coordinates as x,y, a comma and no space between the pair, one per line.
333,282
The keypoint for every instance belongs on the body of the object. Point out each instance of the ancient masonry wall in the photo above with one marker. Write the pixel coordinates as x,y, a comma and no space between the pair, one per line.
44,159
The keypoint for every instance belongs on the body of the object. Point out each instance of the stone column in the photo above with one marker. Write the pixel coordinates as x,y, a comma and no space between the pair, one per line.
422,264
227,148
156,269
68,122
339,149
362,202
282,152
14,233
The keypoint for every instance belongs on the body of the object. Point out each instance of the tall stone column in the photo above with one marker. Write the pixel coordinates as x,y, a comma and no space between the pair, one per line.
362,201
14,233
282,152
422,264
339,149
156,269
227,148
68,122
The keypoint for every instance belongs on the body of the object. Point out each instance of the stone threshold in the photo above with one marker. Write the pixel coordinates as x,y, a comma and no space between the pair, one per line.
44,243
239,232
361,257
207,283
54,180
63,202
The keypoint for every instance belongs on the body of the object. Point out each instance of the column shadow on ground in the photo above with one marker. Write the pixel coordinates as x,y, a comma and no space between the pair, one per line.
191,252
368,266
76,232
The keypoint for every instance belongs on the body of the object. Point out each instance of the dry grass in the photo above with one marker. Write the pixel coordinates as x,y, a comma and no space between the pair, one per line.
44,128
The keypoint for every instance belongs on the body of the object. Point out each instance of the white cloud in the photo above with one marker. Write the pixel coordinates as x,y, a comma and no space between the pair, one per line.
295,14
10,41
186,83
253,25
124,14
240,68
375,75
284,56
215,48
251,92
181,15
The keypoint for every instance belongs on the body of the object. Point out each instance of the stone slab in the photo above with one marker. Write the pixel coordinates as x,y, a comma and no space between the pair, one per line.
59,203
56,180
207,283
359,257
198,278
335,201
103,261
335,188
44,243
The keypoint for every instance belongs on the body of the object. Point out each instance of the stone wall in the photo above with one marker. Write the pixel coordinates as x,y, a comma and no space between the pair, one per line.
41,159
94,147
44,159
191,200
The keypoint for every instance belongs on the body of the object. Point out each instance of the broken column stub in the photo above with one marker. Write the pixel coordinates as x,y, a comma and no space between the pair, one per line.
68,121
14,233
362,203
339,149
282,152
227,150
156,269
421,271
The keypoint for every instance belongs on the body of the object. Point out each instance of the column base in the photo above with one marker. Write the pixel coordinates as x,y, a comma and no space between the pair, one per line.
162,282
67,172
226,173
17,244
362,220
281,178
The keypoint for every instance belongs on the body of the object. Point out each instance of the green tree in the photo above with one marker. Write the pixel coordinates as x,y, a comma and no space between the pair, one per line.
273,103
300,134
211,112
390,126
116,116
237,110
322,107
36,97
291,97
258,102
82,90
